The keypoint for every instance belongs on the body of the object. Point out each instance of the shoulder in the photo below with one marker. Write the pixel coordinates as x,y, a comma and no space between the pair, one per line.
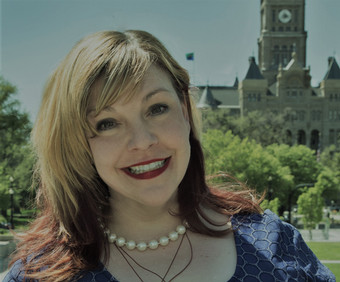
100,274
258,224
15,273
265,239
267,232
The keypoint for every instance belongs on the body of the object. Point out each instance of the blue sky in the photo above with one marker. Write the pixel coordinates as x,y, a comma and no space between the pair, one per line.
37,34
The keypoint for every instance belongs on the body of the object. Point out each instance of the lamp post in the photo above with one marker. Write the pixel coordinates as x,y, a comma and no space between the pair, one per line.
11,192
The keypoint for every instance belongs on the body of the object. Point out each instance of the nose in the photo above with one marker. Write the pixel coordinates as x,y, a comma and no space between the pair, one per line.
141,137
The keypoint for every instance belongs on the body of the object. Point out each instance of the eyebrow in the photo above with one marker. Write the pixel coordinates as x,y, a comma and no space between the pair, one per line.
145,99
154,92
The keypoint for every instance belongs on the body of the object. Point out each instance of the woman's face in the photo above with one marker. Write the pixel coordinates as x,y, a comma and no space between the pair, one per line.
142,150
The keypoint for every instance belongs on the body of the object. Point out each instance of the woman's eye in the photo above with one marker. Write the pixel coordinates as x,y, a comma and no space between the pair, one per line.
106,124
158,109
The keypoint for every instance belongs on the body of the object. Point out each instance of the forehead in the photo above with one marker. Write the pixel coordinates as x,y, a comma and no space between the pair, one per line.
103,95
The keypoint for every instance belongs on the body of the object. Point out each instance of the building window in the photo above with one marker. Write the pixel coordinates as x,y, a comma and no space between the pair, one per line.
254,97
273,16
314,144
259,97
287,28
331,136
331,97
301,115
280,28
316,115
301,137
293,116
284,59
330,117
289,138
334,115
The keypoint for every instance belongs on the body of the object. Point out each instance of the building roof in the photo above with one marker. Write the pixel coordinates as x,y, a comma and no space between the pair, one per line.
236,82
333,71
293,63
207,99
253,71
226,95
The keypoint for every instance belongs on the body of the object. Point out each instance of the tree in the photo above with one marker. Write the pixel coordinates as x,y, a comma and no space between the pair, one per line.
329,184
247,161
330,158
310,205
302,164
16,160
218,119
264,127
300,160
272,205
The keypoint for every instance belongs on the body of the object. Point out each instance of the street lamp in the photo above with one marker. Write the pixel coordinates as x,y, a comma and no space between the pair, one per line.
11,192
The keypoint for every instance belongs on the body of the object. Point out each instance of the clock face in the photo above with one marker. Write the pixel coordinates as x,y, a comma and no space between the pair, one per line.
285,16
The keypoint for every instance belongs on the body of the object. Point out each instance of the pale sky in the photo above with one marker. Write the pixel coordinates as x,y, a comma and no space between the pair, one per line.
37,34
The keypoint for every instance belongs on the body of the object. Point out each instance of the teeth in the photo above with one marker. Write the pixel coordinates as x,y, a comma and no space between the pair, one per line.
145,168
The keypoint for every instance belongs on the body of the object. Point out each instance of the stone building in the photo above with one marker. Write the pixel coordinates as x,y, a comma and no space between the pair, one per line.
281,82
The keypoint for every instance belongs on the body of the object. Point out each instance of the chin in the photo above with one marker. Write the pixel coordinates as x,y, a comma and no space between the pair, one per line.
157,201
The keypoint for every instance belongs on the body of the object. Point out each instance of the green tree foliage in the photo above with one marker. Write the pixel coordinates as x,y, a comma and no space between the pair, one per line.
16,160
329,184
330,158
300,160
272,205
254,149
310,205
247,161
264,127
218,119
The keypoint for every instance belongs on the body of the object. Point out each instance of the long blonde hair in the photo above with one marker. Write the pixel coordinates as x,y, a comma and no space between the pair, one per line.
70,190
67,237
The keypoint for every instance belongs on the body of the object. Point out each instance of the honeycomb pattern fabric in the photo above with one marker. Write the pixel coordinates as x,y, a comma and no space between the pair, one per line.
267,250
271,250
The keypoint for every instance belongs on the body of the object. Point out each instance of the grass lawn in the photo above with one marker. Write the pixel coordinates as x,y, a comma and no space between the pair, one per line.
328,251
335,268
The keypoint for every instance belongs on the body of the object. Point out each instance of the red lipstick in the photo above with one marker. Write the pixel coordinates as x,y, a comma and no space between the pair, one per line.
148,174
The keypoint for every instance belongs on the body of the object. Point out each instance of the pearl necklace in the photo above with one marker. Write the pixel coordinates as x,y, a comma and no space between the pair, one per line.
142,246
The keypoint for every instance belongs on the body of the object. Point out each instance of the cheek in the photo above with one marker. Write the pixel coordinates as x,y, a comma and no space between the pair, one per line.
103,151
177,133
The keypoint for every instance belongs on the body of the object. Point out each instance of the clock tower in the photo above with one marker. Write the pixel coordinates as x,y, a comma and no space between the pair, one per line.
282,32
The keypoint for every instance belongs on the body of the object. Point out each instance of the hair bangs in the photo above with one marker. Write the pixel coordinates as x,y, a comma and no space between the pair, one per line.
122,75
119,79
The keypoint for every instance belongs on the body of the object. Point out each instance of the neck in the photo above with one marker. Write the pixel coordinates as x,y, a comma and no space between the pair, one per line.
140,222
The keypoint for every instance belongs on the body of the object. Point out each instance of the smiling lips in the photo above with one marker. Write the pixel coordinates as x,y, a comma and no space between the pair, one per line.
147,170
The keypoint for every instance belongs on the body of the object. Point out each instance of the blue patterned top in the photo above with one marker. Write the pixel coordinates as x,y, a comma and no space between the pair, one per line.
267,250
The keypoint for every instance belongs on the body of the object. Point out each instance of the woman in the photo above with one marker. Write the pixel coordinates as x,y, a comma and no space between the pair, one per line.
122,189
